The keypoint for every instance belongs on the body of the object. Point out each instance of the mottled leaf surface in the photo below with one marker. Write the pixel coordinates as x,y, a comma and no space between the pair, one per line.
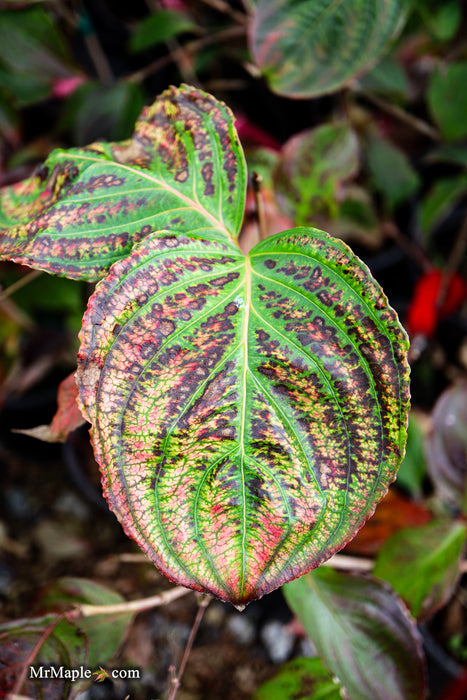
46,641
422,564
311,47
300,679
248,412
362,632
183,170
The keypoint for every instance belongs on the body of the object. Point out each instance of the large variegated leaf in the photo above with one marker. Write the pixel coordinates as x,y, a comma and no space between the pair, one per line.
311,47
85,208
248,412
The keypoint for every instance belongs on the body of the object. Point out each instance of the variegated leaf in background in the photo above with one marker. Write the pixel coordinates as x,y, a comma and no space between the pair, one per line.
309,47
248,412
183,170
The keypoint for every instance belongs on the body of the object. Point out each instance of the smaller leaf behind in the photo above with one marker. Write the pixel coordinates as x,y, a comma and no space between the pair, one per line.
85,208
104,633
43,641
362,632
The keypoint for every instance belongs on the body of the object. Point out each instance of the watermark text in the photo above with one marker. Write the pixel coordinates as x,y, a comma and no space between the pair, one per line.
82,673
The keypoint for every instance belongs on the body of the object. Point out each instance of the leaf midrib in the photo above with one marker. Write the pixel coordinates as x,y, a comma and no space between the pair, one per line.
246,321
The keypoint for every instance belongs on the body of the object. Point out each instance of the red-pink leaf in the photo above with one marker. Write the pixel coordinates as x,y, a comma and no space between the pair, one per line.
67,418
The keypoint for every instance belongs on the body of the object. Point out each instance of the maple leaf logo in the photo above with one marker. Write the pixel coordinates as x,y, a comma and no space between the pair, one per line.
101,675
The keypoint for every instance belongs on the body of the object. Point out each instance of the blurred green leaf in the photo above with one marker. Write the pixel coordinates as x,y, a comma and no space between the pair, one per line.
442,18
454,154
357,207
300,679
46,293
440,200
310,47
357,217
362,632
104,632
159,27
312,166
263,161
44,641
46,296
387,78
447,99
422,564
447,20
98,111
34,54
24,88
457,645
413,467
391,172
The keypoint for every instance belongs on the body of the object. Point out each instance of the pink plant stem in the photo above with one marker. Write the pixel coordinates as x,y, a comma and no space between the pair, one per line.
203,604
